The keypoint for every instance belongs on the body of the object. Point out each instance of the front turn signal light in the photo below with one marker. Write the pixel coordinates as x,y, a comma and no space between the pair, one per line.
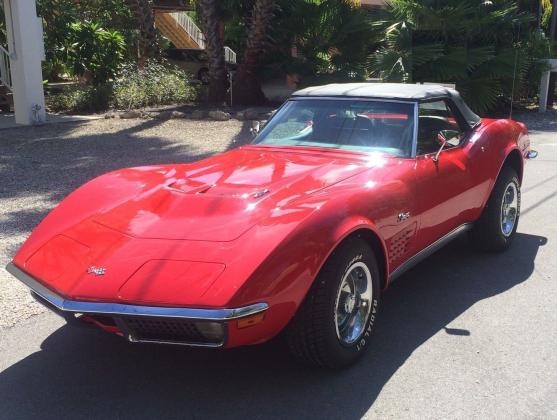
250,321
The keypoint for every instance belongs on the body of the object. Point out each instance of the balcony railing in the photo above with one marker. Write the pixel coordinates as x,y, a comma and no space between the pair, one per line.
187,23
190,27
5,71
229,55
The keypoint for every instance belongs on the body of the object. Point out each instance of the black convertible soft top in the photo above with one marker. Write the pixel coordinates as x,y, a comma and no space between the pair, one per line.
394,91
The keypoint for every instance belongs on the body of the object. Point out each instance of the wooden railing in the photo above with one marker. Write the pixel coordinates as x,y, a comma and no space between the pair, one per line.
190,27
186,23
5,71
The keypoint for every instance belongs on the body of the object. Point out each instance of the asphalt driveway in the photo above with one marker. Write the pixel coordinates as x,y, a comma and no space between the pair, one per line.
462,335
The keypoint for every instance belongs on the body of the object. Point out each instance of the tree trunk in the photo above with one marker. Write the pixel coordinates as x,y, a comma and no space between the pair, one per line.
536,10
247,86
553,36
214,47
553,28
145,18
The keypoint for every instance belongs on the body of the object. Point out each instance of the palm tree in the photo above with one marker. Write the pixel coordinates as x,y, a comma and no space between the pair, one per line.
210,12
145,17
552,36
247,86
553,28
476,44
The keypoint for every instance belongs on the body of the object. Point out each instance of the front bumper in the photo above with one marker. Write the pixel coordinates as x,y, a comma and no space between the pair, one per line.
153,324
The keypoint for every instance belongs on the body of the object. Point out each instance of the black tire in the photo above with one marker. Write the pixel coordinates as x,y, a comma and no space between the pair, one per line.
312,334
487,234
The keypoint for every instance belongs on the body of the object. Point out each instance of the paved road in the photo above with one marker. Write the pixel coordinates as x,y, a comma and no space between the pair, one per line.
463,335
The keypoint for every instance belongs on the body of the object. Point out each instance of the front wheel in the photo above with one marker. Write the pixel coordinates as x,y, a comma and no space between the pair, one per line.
496,228
333,326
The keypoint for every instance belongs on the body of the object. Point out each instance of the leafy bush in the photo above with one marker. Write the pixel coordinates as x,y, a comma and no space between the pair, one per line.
94,52
58,17
154,84
81,99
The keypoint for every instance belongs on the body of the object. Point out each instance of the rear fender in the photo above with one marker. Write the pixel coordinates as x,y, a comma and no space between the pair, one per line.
517,144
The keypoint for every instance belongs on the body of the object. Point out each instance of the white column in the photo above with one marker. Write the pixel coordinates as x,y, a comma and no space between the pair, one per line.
25,42
544,90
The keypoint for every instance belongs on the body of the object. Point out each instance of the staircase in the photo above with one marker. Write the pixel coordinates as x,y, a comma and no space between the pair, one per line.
182,31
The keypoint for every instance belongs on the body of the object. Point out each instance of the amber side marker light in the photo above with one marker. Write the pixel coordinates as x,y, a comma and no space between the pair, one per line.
250,321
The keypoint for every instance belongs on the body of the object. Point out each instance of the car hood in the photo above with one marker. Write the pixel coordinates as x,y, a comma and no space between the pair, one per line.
220,198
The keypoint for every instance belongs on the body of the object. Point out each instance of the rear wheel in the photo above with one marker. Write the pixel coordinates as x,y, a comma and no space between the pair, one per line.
496,228
333,326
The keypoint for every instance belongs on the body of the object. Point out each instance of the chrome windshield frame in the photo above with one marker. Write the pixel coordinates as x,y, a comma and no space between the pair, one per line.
414,102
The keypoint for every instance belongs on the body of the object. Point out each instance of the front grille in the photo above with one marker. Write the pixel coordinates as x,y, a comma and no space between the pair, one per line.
170,330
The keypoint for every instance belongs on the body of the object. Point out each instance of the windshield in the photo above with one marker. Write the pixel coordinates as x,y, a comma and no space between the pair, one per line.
361,125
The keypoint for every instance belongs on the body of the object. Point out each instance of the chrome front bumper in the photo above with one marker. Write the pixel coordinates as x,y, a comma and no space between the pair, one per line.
65,307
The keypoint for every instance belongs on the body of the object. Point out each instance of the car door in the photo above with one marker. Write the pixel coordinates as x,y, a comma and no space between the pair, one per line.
444,182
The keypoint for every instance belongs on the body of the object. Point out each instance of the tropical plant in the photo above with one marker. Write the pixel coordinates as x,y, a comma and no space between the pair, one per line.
485,47
58,18
330,36
93,52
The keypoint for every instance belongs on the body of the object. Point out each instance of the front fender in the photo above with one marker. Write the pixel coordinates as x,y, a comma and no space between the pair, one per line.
285,277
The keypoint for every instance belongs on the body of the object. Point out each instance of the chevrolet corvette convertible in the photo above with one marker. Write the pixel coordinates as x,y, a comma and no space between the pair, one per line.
299,233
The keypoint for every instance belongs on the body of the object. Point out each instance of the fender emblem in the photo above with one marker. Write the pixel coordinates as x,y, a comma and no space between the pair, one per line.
97,271
403,216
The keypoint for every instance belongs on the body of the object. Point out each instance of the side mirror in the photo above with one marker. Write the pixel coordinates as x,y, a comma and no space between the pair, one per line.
255,127
532,154
446,137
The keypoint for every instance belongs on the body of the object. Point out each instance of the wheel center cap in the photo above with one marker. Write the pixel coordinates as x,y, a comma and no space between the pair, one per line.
349,303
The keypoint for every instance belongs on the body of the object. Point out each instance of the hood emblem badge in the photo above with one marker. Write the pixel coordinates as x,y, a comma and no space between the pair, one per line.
97,271
261,193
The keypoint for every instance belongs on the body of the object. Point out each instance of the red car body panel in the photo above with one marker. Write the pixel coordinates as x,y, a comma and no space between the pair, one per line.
257,223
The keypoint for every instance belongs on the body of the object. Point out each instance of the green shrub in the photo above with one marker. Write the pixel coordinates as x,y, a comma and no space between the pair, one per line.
94,52
81,99
154,84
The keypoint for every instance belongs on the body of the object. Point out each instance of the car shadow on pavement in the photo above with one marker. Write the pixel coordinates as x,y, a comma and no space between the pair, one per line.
85,374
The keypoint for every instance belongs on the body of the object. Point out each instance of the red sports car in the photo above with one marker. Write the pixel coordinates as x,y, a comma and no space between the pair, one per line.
345,188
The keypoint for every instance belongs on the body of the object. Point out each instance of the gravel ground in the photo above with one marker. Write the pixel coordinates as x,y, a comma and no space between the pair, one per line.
40,165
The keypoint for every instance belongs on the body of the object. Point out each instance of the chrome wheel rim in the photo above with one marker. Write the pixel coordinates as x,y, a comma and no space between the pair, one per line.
509,209
353,303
